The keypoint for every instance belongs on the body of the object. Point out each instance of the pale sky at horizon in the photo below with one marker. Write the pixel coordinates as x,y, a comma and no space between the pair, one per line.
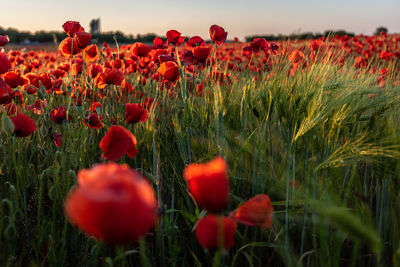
239,18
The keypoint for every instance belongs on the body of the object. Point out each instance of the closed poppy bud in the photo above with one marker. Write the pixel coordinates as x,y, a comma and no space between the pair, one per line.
82,39
218,34
215,231
135,112
169,71
5,63
4,40
140,49
112,203
69,47
23,125
257,211
208,184
201,52
7,125
72,27
174,37
94,121
117,142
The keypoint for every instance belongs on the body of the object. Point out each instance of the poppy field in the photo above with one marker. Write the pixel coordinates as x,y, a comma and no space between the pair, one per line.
192,153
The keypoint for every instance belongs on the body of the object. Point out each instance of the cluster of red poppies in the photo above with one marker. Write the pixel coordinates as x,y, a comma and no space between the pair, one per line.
86,75
208,184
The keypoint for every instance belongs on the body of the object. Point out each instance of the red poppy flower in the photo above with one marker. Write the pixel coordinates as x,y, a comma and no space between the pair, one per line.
57,141
295,57
194,41
59,115
140,49
218,34
5,63
69,47
23,125
5,92
210,235
94,121
92,53
169,71
112,203
208,184
201,52
117,142
72,27
14,79
165,58
258,45
256,211
174,37
109,76
135,112
4,40
82,39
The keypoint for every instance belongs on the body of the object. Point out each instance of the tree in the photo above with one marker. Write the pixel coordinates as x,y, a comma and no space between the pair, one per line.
380,30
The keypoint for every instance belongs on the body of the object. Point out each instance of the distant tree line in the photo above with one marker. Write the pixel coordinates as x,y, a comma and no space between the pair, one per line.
300,36
17,36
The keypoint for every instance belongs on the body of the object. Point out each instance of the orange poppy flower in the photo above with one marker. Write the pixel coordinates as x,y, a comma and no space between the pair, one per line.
69,47
169,71
92,53
140,49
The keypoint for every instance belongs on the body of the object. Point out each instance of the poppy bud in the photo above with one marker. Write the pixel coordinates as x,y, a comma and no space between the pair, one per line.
7,125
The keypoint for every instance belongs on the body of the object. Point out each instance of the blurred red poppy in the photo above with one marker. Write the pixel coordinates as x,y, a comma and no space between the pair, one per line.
94,121
218,34
112,203
59,115
201,52
208,184
256,211
169,71
109,76
23,125
135,112
257,45
174,37
82,39
72,27
69,47
5,63
4,40
117,142
92,53
210,235
57,141
140,49
5,92
194,41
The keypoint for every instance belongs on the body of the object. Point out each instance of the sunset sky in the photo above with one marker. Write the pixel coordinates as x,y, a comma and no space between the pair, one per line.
240,18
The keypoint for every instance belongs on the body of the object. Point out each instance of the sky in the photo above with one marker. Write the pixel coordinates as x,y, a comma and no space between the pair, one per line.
240,18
